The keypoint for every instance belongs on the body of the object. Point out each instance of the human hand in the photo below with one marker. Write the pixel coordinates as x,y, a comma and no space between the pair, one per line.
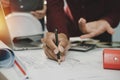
5,3
39,14
51,49
95,28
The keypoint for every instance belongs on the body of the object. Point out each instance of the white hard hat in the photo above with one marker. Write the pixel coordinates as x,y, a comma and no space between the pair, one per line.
23,24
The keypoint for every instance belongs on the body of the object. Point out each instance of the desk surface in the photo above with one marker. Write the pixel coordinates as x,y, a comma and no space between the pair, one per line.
77,66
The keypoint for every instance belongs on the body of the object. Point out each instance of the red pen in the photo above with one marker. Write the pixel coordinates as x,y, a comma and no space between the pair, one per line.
21,69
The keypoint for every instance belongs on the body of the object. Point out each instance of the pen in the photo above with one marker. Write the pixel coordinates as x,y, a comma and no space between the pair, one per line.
21,69
56,42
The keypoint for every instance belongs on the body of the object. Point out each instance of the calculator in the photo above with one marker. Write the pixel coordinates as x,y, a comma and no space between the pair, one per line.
83,47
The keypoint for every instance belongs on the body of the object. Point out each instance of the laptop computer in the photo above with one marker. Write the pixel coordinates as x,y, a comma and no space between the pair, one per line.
14,38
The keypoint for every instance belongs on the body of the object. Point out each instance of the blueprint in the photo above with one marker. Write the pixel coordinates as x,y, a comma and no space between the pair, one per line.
77,66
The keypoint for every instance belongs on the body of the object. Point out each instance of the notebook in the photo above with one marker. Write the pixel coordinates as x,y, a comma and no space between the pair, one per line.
20,31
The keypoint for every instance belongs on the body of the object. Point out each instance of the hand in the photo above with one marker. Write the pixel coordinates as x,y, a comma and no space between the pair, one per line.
5,3
51,49
95,28
40,13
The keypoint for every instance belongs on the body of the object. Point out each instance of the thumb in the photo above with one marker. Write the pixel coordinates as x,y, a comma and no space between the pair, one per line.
82,25
110,30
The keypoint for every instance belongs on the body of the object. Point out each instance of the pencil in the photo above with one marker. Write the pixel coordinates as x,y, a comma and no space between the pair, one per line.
56,43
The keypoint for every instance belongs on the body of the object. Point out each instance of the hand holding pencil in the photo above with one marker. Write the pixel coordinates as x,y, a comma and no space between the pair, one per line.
55,45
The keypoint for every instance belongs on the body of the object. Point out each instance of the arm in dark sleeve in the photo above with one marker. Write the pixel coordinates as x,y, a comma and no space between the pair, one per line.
56,17
112,12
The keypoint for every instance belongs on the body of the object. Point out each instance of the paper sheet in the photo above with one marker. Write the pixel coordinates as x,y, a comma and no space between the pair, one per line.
78,39
77,66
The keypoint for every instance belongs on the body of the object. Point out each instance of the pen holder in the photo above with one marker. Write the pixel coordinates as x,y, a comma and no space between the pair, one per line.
111,59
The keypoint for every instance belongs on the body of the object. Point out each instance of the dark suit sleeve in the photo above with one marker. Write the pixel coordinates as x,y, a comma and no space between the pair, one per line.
56,17
112,8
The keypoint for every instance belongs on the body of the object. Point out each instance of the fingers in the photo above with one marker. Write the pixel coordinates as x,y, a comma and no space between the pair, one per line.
49,41
49,53
63,40
89,35
41,13
110,30
38,14
107,26
82,25
49,46
64,46
94,33
51,49
98,32
95,28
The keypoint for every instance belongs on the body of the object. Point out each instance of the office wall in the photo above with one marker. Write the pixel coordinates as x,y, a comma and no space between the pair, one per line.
116,35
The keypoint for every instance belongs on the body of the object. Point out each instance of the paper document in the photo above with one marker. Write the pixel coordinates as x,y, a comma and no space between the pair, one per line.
77,66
